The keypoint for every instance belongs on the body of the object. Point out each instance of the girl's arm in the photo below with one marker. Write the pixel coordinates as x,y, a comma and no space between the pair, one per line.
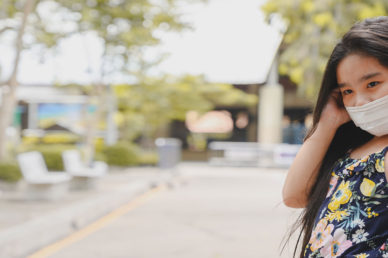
303,171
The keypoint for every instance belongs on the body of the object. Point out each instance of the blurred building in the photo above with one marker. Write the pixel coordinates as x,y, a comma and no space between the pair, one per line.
245,120
48,107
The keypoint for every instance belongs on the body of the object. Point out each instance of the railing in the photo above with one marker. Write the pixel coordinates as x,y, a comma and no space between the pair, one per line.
252,154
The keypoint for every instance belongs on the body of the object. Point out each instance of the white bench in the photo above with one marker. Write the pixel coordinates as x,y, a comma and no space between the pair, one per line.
84,177
42,184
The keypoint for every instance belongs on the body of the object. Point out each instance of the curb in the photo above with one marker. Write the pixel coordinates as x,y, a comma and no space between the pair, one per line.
21,240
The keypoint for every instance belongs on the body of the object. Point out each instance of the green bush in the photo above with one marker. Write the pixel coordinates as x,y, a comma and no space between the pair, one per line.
52,138
60,138
99,156
148,158
10,172
122,154
52,154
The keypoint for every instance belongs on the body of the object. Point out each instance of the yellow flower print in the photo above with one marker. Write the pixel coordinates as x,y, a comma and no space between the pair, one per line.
371,213
351,167
337,215
380,165
341,196
363,255
364,159
367,187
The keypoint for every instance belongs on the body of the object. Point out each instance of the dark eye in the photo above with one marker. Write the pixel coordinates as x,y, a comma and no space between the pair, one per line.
346,92
372,84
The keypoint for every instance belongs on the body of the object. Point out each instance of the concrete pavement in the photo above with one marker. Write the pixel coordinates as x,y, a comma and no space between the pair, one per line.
26,226
210,212
205,212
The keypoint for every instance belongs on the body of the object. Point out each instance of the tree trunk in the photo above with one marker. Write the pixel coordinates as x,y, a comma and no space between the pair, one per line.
93,121
8,94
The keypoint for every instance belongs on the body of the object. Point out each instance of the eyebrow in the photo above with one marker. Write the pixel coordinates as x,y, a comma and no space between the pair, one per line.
368,76
363,78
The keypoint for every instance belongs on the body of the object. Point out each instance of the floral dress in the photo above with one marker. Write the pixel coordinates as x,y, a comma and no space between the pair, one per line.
353,219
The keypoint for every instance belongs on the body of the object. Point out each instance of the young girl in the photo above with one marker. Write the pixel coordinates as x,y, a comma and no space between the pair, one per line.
339,175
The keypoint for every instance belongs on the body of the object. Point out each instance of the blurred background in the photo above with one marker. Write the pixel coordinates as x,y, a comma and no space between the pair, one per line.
158,86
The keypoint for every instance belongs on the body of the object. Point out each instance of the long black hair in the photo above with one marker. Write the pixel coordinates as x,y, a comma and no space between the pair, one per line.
368,38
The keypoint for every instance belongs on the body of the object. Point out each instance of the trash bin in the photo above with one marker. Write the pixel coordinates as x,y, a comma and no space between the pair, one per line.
169,150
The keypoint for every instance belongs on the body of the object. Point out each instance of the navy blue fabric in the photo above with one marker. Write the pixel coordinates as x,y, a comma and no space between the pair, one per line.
353,219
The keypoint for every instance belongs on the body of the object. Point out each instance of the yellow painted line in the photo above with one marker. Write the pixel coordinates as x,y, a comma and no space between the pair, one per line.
93,227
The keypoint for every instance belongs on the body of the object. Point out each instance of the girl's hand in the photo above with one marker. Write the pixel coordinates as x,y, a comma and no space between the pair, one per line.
334,113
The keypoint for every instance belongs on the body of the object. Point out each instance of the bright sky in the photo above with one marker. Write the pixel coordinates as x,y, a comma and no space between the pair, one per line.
230,43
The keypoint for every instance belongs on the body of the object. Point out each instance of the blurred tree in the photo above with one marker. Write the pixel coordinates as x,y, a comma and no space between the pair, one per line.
124,28
314,27
15,15
154,102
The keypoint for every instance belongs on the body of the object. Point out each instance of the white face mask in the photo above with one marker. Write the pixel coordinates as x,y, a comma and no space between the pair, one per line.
371,117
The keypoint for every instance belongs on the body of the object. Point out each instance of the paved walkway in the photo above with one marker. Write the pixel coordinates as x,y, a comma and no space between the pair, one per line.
206,212
15,210
26,226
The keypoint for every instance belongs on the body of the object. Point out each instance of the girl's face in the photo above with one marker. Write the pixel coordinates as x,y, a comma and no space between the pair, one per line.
361,79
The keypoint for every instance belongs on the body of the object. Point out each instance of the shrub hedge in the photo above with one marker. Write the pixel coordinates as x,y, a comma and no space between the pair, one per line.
52,138
52,154
10,172
122,154
148,158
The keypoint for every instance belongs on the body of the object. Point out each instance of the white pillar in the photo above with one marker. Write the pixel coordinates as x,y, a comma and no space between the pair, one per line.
271,108
111,130
33,116
270,114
